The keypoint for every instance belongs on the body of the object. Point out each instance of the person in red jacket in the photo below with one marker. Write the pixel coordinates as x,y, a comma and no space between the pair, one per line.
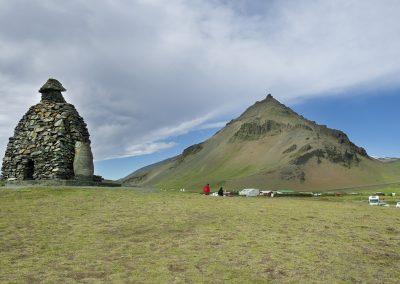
206,189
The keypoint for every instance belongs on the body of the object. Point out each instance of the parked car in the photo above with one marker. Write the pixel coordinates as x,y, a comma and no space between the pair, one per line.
266,192
373,200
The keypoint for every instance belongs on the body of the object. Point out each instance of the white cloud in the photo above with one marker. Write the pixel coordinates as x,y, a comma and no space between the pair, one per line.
213,125
144,149
141,71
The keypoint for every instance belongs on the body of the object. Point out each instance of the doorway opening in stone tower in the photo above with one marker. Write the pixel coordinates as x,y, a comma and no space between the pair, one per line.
29,170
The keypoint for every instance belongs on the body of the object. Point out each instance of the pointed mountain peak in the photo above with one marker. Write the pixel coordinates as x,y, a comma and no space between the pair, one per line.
268,146
269,99
268,108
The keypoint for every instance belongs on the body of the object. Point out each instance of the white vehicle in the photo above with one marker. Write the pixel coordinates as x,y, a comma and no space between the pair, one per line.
373,200
398,204
249,192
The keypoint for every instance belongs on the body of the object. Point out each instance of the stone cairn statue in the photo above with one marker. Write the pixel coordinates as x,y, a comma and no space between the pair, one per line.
51,142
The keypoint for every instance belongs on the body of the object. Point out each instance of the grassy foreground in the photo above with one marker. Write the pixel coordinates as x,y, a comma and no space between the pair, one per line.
117,235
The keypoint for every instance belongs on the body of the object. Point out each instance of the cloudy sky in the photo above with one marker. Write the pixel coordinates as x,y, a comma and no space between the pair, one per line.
149,74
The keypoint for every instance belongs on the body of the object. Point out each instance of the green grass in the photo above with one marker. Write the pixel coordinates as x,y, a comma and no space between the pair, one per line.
117,235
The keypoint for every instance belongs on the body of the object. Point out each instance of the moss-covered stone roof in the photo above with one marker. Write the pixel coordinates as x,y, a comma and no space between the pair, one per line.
52,85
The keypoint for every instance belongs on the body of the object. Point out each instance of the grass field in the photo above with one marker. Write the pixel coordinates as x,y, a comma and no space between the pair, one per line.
120,235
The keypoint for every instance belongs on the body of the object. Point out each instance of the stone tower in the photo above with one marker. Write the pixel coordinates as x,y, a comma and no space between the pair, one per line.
51,141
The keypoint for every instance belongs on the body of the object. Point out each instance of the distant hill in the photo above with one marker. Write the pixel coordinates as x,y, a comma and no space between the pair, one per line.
269,146
388,159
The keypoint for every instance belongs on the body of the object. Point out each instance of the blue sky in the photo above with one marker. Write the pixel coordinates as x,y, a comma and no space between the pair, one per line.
369,117
152,77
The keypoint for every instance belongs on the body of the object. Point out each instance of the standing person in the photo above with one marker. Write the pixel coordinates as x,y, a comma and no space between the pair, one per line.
206,189
221,191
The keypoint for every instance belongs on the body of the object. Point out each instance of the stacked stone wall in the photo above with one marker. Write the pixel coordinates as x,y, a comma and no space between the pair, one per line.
43,145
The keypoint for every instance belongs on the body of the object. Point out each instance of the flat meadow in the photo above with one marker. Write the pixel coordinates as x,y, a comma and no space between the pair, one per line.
127,235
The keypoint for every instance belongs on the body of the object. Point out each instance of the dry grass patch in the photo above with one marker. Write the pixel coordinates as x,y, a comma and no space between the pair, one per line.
86,235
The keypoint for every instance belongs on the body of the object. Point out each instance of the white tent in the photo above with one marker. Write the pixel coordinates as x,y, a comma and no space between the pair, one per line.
249,192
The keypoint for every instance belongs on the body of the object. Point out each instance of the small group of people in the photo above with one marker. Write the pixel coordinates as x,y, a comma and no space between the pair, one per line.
207,190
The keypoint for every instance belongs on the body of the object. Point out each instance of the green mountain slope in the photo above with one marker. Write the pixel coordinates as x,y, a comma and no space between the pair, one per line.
269,146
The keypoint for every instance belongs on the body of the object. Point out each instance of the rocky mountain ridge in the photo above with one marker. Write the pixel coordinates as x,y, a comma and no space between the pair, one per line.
268,145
